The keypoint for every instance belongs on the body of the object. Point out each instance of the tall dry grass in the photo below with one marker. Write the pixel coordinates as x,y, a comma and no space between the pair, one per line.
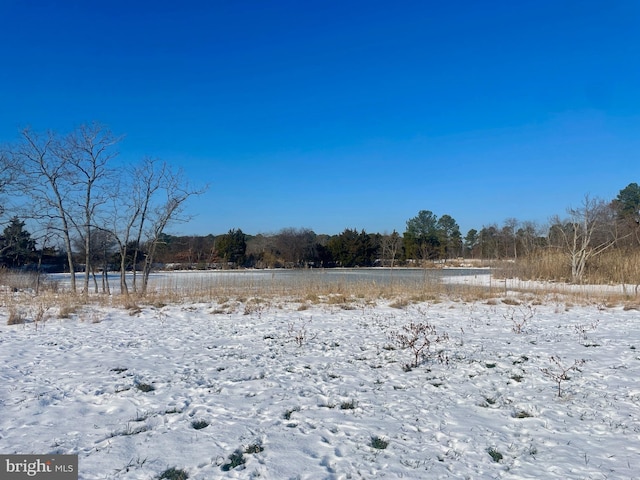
18,280
611,267
331,290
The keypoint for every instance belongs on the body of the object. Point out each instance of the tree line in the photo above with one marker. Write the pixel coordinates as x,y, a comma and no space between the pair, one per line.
594,227
91,215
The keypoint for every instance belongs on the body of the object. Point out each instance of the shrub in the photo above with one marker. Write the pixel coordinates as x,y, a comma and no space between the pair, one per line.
379,443
299,332
173,474
16,316
67,309
288,413
235,460
145,387
520,317
559,373
254,448
199,424
418,337
348,405
495,454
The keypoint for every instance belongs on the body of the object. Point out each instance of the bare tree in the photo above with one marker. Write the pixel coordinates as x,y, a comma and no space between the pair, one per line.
390,244
131,201
88,152
590,230
509,231
295,246
159,215
528,236
7,175
44,176
102,245
153,178
72,187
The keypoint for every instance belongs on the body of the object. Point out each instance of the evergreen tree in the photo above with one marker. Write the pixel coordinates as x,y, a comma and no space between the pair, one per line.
17,248
352,249
449,236
471,240
627,203
232,246
421,238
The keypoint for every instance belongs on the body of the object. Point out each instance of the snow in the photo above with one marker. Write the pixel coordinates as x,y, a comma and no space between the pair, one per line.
306,386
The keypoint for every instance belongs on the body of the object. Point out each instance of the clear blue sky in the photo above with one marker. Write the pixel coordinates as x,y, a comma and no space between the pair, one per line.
343,114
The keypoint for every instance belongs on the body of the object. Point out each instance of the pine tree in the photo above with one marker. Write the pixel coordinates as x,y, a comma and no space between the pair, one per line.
232,247
17,248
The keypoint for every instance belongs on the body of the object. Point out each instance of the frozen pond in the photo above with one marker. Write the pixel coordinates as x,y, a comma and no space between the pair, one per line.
282,278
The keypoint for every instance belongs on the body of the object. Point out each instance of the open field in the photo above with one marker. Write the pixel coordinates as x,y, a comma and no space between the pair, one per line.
512,382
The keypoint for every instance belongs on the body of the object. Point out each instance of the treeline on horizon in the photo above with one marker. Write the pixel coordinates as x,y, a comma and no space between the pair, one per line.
81,213
596,225
426,239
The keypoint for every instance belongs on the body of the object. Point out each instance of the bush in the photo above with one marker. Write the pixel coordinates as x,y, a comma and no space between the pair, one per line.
16,317
418,337
199,424
235,460
379,443
173,474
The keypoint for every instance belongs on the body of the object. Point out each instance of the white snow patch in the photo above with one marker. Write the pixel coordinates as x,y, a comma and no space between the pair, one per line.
124,393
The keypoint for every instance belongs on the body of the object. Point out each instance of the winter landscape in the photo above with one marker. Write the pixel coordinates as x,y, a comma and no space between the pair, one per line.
464,381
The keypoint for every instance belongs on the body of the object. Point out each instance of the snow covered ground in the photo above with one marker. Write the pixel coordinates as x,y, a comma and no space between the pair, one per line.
283,389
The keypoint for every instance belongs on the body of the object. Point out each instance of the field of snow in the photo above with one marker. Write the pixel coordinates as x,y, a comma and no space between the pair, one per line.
283,389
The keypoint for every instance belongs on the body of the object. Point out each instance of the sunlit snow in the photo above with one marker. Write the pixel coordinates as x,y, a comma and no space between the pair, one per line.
315,390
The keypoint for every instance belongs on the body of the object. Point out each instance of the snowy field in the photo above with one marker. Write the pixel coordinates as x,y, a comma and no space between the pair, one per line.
320,389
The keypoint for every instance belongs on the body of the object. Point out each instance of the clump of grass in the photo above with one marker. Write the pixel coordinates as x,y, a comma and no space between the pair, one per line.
288,413
312,297
254,448
522,359
39,313
235,460
199,424
173,474
337,299
400,303
379,443
488,401
348,405
522,414
145,387
510,301
133,308
254,305
495,454
130,430
67,309
16,316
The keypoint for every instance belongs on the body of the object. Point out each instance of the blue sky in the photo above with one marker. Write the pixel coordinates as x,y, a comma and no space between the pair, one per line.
336,114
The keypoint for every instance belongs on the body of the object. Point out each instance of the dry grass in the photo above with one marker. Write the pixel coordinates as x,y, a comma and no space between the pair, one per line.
233,292
16,316
611,267
12,280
